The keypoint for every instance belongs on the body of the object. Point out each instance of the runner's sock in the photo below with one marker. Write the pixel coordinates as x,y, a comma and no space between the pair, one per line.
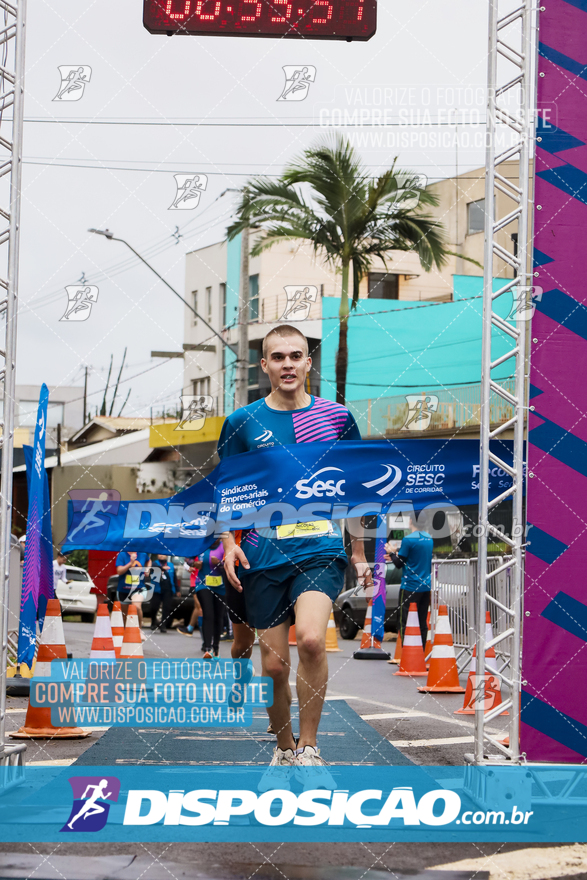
190,628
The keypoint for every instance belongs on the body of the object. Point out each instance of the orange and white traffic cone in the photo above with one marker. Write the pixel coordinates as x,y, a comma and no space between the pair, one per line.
443,675
37,724
428,645
331,640
132,644
102,644
291,639
492,690
370,648
412,662
398,650
117,626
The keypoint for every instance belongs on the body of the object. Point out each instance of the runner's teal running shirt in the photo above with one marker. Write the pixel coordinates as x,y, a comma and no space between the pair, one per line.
416,548
257,426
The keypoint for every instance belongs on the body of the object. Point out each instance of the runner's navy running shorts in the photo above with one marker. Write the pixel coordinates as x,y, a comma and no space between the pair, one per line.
270,595
235,603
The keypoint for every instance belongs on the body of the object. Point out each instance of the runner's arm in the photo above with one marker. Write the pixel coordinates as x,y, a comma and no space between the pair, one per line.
350,431
232,553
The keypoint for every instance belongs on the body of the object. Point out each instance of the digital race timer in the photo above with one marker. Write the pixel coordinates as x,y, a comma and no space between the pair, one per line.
310,19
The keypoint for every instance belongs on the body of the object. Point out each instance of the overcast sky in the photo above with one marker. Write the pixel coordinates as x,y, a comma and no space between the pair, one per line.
427,57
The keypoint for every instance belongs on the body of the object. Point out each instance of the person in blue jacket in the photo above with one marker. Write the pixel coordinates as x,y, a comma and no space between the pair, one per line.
414,557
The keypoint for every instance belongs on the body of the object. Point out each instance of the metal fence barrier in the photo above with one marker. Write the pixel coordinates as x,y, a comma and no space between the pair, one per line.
454,584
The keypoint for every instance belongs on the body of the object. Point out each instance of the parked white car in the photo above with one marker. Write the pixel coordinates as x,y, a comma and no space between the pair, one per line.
75,596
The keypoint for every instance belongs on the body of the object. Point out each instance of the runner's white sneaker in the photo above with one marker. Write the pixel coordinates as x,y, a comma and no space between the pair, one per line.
311,769
279,772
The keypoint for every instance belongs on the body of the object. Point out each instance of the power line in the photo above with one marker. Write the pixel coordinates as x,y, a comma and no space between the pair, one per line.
425,305
123,266
421,385
246,124
48,161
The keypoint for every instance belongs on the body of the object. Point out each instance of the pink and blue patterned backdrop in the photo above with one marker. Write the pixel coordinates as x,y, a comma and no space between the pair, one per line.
554,655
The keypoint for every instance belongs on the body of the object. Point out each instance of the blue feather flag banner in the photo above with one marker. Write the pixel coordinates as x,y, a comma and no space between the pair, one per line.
37,577
380,588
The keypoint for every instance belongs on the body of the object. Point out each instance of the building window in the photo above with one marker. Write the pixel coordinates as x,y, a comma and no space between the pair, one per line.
514,238
253,297
383,285
27,414
209,304
195,305
476,217
253,367
223,303
201,386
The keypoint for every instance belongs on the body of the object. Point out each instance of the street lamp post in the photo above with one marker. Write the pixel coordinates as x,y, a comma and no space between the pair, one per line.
242,366
111,237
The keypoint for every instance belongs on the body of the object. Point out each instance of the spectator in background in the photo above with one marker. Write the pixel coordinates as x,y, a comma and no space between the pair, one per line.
164,587
414,557
210,591
59,570
193,565
130,568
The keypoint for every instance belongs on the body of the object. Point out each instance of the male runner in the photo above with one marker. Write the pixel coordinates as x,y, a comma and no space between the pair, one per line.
282,569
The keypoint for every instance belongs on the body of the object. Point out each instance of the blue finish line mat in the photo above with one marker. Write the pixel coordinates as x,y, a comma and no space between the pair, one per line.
343,738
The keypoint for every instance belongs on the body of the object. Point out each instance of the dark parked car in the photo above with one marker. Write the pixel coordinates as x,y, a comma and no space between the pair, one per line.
182,607
350,610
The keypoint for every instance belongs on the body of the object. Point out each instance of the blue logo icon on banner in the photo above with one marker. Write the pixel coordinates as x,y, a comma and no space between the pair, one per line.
90,802
92,509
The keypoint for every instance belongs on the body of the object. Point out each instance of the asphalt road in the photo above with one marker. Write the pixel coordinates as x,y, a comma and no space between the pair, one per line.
422,726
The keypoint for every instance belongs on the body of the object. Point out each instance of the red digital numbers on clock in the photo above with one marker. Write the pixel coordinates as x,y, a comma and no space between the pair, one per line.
309,19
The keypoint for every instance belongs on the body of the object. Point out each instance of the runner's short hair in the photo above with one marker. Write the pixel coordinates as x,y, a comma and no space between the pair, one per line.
283,331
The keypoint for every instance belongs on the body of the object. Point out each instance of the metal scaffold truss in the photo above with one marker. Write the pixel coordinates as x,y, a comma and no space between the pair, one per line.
12,44
511,66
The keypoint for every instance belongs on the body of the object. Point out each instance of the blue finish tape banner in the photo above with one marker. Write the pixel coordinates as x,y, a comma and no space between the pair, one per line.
333,803
288,484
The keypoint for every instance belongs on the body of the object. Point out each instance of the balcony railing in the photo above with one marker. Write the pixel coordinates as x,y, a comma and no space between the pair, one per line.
456,409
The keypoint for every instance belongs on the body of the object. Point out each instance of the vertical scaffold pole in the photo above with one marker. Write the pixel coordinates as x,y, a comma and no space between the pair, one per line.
12,50
510,113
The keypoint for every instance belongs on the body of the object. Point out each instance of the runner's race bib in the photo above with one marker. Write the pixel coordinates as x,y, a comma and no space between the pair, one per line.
315,529
132,580
213,580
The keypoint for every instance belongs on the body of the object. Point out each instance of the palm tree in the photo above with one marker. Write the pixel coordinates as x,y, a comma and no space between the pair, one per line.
327,197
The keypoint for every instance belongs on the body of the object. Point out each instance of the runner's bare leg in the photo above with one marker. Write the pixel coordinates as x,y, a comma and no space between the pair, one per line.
276,664
244,637
312,616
